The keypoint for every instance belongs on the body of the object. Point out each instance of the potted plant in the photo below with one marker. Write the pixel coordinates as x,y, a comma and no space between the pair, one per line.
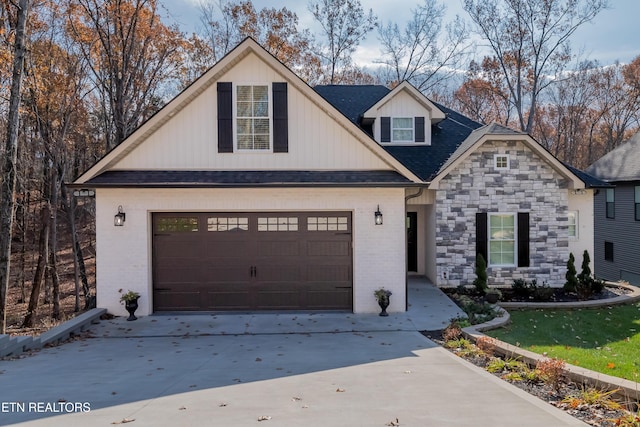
130,301
493,295
382,295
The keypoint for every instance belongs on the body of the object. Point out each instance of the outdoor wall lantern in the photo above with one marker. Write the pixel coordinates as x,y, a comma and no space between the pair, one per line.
378,216
118,219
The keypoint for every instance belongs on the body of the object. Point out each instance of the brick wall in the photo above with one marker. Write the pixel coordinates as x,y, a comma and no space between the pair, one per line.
124,253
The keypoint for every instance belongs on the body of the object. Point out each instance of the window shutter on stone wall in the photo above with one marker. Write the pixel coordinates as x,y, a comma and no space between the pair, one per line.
385,129
280,118
419,129
523,239
481,235
225,117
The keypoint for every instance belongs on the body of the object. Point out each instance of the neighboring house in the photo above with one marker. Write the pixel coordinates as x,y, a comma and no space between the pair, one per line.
617,214
253,191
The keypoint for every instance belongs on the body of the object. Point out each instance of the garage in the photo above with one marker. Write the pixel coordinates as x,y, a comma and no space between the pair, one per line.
252,261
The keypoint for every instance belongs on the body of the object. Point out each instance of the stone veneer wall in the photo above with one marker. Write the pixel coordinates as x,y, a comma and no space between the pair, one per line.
530,185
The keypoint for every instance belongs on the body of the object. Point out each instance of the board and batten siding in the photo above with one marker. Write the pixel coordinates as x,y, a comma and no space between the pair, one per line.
623,231
189,139
124,254
403,105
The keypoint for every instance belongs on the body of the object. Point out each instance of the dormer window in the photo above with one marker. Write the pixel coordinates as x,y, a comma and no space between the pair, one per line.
402,129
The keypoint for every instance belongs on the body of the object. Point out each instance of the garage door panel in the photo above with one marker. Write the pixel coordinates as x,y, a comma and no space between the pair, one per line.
322,248
238,298
252,261
274,249
178,300
329,273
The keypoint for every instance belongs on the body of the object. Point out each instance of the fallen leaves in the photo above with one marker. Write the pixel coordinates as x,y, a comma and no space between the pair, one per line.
340,390
124,421
264,418
393,423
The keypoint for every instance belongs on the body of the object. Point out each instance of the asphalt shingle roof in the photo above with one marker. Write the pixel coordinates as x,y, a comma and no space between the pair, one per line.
621,164
423,160
211,178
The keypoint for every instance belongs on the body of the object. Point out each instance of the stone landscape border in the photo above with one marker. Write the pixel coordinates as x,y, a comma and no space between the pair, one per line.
627,390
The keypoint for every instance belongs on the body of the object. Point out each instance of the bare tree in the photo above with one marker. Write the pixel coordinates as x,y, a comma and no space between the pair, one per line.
9,169
345,24
423,52
131,54
530,40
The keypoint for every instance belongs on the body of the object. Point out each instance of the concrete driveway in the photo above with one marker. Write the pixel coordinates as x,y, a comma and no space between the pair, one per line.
288,369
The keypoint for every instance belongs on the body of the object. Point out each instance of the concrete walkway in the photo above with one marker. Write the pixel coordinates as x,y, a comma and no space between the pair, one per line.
290,369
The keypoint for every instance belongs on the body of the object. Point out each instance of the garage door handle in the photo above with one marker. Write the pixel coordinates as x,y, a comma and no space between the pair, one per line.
253,271
162,289
344,287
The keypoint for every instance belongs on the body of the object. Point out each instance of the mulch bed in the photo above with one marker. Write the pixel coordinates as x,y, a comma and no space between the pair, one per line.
594,415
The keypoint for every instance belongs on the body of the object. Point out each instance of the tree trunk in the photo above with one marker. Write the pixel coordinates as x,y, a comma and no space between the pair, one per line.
70,209
43,248
9,169
53,245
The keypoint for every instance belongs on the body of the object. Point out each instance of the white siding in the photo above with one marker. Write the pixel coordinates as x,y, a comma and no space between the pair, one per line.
403,105
582,202
124,253
189,139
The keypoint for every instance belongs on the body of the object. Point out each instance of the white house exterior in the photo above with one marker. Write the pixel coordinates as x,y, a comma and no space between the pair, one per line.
253,191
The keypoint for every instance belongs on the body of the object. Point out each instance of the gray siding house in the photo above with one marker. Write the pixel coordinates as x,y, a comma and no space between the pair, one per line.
617,214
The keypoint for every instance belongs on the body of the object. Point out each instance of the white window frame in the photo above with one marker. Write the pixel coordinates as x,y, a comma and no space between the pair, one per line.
496,158
236,117
575,221
514,239
412,129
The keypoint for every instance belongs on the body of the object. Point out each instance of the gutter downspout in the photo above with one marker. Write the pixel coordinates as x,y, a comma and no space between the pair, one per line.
406,275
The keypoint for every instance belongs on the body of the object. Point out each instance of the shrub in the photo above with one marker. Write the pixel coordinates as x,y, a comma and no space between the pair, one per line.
526,290
592,396
481,274
586,270
543,293
572,280
551,371
451,332
487,345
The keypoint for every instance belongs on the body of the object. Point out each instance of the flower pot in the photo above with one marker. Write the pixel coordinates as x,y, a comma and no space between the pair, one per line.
131,306
383,302
492,297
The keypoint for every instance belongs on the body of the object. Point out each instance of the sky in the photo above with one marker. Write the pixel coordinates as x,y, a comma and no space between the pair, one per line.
611,37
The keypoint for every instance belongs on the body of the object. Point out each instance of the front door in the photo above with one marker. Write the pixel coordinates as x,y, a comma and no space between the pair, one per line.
412,241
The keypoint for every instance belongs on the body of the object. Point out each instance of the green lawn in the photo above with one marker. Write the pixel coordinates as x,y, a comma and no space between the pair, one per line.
605,339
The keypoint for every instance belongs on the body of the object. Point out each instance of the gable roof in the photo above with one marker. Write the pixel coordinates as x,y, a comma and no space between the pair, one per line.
621,164
437,115
424,160
245,48
498,132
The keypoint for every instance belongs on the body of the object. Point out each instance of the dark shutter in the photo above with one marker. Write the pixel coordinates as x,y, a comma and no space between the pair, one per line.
419,129
481,235
523,239
225,117
280,118
385,129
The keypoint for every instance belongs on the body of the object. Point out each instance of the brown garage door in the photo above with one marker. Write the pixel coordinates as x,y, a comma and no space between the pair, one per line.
252,261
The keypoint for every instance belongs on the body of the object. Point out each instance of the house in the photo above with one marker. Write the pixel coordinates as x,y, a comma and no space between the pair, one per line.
617,214
251,190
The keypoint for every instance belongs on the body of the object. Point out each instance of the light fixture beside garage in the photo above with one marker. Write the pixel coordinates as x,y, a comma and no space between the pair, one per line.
118,219
378,216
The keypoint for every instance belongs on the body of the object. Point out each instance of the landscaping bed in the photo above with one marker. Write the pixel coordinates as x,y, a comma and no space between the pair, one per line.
546,380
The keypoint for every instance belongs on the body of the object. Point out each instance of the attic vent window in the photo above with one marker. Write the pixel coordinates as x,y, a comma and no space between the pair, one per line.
501,161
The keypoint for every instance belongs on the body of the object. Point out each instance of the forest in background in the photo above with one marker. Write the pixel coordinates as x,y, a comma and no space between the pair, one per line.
78,76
